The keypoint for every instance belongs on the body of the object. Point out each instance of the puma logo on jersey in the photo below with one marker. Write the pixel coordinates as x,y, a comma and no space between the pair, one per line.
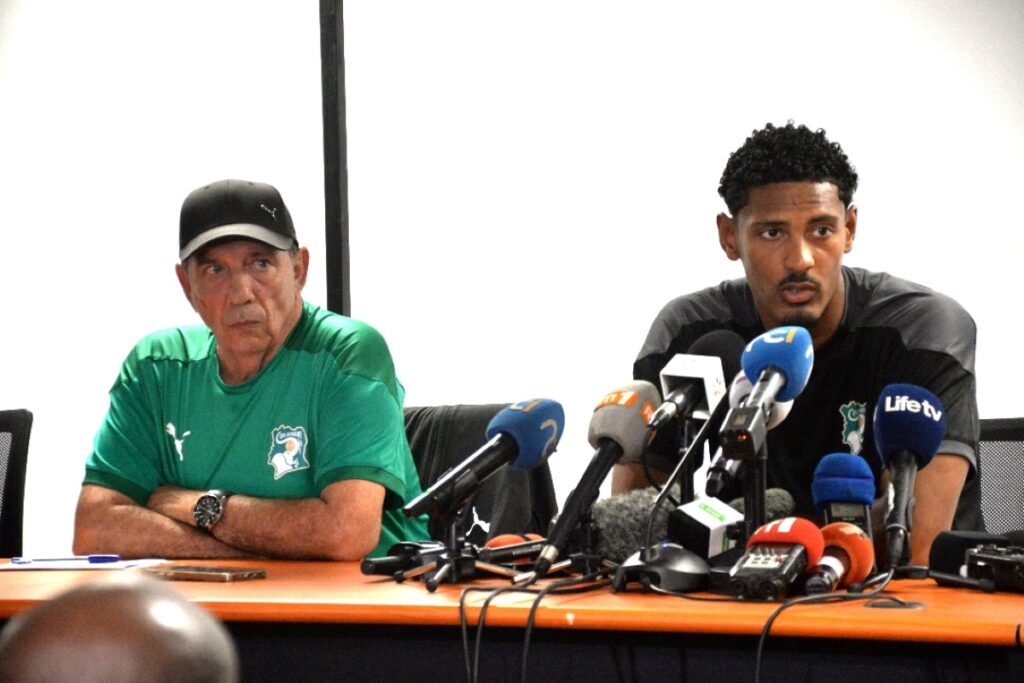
178,443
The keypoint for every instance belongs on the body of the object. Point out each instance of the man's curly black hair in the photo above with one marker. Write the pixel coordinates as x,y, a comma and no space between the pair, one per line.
788,154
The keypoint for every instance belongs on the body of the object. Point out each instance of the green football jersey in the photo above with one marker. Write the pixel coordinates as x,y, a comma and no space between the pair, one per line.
326,408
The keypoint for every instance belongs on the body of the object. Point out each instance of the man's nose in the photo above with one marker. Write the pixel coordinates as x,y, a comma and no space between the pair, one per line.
240,291
799,256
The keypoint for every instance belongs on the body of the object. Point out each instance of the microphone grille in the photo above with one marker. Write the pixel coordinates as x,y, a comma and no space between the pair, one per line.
622,416
908,418
792,530
858,547
726,345
842,478
535,426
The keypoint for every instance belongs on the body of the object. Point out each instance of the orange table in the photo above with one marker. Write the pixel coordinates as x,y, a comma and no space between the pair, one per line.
315,603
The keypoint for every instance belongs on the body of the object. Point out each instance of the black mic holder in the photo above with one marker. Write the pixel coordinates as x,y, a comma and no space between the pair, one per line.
459,561
648,560
754,480
685,468
688,443
755,484
910,571
744,432
744,437
402,557
587,560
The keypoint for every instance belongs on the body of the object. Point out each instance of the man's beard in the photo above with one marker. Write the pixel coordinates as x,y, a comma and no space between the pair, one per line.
805,320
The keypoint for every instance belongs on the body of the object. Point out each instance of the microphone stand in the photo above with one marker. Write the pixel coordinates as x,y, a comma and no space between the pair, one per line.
744,437
587,561
684,465
755,484
459,561
689,464
637,566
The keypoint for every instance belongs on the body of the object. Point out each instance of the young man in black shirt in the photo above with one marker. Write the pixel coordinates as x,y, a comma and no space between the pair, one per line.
791,218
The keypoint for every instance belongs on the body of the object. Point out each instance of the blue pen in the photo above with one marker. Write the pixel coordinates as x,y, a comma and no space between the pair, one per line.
91,559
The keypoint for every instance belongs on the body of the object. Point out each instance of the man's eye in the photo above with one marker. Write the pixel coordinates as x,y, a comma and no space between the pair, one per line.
263,263
823,230
771,233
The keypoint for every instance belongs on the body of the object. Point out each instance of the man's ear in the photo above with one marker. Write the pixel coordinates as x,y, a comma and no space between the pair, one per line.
851,228
301,265
186,286
727,236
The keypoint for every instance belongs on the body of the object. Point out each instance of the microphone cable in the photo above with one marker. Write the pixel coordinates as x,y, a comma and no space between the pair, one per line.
473,667
858,592
579,584
874,595
600,579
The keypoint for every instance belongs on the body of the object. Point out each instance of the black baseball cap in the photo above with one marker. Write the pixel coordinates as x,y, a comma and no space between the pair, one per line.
234,208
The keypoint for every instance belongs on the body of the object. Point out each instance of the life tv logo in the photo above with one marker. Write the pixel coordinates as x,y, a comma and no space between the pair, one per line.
905,404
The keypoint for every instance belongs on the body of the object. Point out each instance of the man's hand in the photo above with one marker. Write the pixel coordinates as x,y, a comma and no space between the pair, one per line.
107,521
342,524
174,502
631,476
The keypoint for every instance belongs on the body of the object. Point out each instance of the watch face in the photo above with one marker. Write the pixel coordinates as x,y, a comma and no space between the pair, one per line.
207,510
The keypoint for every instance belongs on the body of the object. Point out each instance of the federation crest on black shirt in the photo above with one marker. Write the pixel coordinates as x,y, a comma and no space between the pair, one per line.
853,414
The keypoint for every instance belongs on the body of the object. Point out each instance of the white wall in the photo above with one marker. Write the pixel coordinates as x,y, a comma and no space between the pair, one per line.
529,182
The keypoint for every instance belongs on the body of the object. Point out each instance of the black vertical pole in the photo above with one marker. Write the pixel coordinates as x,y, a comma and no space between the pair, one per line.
332,74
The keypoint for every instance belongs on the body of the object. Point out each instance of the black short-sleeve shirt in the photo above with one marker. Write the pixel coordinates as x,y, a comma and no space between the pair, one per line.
892,331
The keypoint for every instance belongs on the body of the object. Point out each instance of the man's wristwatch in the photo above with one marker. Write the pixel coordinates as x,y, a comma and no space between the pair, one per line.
210,508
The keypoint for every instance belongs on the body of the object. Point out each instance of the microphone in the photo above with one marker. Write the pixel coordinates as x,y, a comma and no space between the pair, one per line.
949,557
777,554
722,470
522,436
618,428
704,525
620,523
778,503
909,424
843,488
620,527
740,390
512,548
694,381
402,556
670,564
781,360
848,558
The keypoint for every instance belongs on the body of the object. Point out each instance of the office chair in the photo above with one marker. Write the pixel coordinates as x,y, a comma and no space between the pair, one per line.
1001,466
15,427
510,501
